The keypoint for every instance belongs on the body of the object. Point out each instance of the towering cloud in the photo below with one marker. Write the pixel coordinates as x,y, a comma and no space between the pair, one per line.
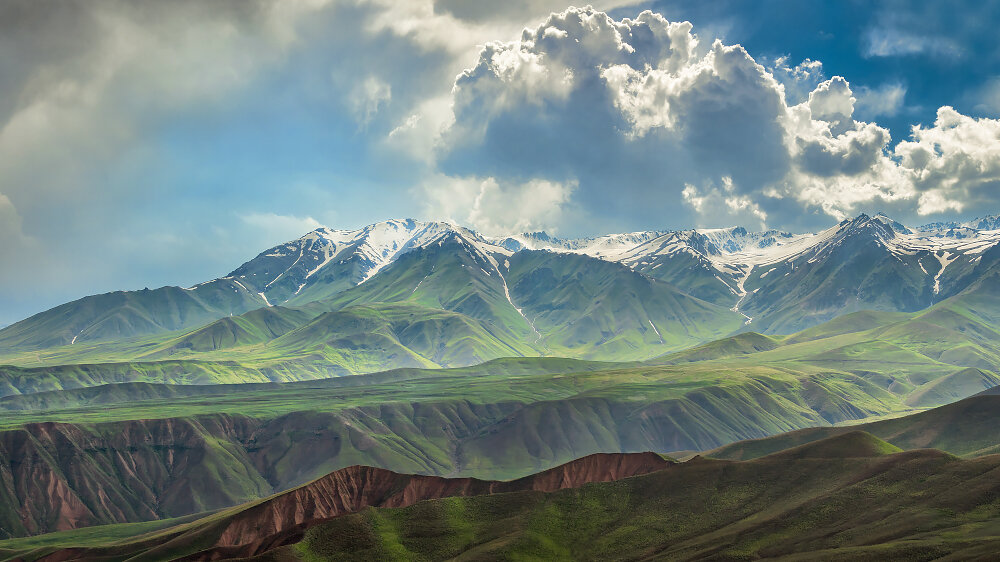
643,115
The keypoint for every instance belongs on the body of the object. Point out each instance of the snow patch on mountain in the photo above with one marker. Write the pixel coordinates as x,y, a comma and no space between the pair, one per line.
730,254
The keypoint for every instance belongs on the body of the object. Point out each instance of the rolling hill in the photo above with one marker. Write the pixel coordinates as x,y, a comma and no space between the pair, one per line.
851,495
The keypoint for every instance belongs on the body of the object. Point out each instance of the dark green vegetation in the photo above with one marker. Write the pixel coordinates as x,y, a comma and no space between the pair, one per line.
238,532
124,459
503,419
968,428
848,496
832,501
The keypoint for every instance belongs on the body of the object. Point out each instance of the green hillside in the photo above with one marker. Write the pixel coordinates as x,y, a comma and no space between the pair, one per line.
125,314
907,506
595,309
502,419
446,305
145,428
966,428
853,271
852,496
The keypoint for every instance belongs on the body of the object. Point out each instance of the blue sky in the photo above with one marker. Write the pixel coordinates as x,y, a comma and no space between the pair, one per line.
145,144
943,53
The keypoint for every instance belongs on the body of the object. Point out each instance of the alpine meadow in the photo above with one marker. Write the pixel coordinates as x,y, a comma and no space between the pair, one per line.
684,280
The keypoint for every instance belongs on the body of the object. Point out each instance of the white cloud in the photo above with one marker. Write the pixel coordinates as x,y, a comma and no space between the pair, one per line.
367,97
799,80
642,117
885,100
833,101
280,227
671,121
955,164
716,204
890,42
497,208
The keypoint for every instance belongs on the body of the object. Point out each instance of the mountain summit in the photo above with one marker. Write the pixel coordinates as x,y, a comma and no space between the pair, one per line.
778,282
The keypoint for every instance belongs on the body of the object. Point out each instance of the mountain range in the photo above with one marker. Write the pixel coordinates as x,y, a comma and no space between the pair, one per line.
615,297
158,417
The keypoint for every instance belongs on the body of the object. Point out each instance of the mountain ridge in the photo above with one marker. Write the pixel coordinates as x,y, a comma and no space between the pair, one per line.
761,275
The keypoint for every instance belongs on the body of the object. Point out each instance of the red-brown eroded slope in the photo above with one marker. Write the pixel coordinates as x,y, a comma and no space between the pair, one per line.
354,488
283,518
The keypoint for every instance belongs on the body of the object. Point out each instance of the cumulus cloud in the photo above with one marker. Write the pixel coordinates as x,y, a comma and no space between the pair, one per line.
641,114
833,101
644,116
799,80
954,164
632,109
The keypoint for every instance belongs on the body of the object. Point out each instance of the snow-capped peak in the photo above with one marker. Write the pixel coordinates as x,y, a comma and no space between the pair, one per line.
354,256
608,246
282,272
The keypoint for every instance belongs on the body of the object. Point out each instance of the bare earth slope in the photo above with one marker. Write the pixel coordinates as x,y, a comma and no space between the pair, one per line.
281,519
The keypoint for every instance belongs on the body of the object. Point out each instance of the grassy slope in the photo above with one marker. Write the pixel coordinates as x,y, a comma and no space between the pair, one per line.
124,314
495,423
357,339
853,272
487,424
591,308
849,496
97,536
441,306
148,387
911,505
335,494
913,350
966,428
505,423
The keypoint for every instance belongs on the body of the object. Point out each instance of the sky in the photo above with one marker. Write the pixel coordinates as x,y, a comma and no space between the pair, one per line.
152,143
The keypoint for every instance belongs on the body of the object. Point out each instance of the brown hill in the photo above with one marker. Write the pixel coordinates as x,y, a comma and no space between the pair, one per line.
282,519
